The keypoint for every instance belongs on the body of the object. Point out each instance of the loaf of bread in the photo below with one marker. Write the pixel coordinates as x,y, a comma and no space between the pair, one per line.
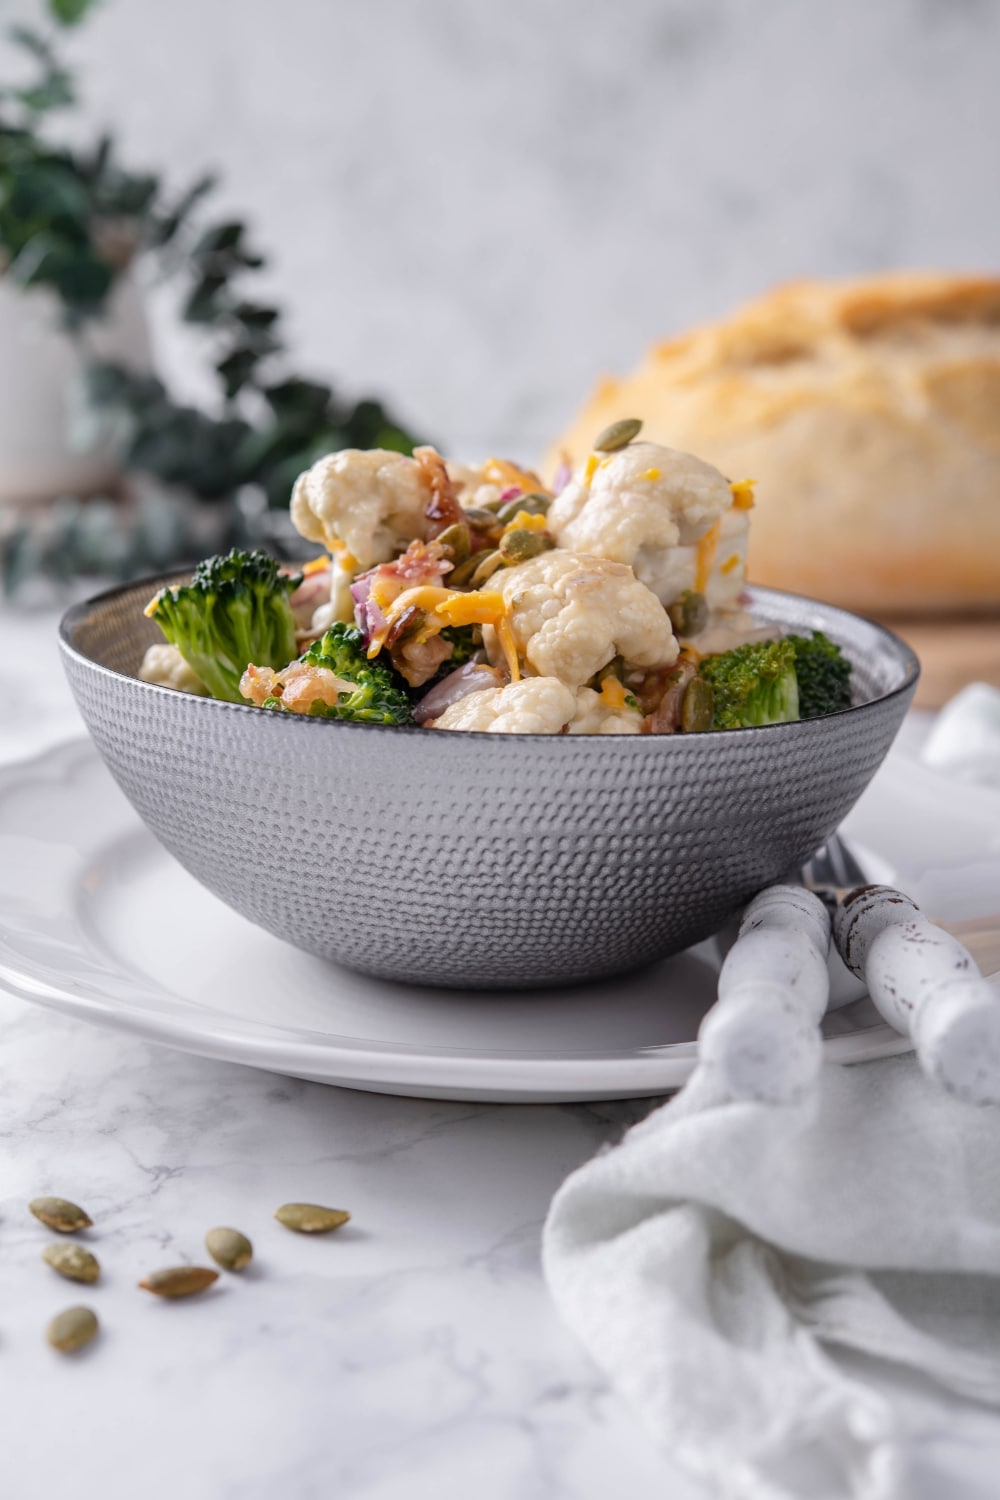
867,411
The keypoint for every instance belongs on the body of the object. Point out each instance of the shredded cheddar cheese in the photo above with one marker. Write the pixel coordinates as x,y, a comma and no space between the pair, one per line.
730,563
525,521
743,493
706,556
318,565
652,474
613,693
445,607
591,468
502,471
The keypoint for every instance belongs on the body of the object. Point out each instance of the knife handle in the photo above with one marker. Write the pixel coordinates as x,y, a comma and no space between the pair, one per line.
927,986
761,1039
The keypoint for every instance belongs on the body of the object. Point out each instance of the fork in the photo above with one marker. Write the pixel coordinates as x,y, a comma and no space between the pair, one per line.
761,1038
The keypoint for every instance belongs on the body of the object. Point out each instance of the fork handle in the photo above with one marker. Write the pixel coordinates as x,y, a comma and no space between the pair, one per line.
925,983
761,1039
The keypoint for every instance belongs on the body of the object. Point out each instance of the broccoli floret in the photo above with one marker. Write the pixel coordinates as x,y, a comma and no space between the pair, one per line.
823,673
753,684
379,697
234,611
465,642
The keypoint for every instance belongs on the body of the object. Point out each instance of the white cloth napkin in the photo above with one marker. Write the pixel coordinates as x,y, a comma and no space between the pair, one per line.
721,1261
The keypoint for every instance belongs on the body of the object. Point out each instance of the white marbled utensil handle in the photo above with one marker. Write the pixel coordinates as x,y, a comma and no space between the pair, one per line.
761,1039
926,985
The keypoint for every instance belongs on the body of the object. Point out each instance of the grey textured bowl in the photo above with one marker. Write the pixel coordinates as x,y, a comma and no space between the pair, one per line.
479,860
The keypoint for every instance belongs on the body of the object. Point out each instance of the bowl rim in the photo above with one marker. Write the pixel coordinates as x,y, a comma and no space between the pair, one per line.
904,654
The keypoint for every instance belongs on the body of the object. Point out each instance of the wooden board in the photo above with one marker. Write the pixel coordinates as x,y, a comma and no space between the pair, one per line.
952,653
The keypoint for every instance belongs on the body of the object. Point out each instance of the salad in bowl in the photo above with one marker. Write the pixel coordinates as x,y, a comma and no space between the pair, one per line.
452,597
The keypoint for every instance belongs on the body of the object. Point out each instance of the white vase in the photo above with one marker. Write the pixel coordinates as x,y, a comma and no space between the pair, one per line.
46,450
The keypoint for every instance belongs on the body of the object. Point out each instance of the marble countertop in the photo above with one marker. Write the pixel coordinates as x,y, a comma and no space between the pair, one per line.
413,1354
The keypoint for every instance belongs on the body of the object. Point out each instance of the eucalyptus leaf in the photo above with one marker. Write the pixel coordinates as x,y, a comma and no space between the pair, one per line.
71,220
31,41
70,12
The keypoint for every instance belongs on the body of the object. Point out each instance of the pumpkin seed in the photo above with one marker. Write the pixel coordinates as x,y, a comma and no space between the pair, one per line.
71,1329
72,1261
179,1281
698,706
229,1249
618,435
536,504
518,546
482,517
689,613
458,541
60,1214
487,567
462,574
311,1218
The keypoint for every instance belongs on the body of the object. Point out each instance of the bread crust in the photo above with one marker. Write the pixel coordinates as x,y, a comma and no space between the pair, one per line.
868,411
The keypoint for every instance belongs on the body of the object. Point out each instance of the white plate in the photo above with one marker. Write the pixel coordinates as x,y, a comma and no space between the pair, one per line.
98,921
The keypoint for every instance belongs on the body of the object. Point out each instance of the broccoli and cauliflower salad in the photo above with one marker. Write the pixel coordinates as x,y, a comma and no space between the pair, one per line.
478,598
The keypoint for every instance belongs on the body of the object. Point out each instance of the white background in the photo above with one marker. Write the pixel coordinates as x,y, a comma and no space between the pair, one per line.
475,208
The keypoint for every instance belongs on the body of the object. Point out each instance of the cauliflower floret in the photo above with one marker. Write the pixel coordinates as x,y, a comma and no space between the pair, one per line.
164,664
571,614
373,502
720,571
595,716
636,505
535,705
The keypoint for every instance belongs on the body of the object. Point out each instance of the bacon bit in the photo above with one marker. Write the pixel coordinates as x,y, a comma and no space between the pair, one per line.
443,509
743,493
304,685
400,626
258,683
297,685
421,563
419,659
665,718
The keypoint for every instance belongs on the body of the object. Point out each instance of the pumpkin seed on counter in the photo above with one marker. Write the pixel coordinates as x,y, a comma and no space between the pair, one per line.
72,1329
72,1261
229,1248
60,1214
179,1281
310,1218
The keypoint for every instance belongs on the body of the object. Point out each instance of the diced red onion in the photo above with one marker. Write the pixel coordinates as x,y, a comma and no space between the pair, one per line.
473,677
511,493
563,475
